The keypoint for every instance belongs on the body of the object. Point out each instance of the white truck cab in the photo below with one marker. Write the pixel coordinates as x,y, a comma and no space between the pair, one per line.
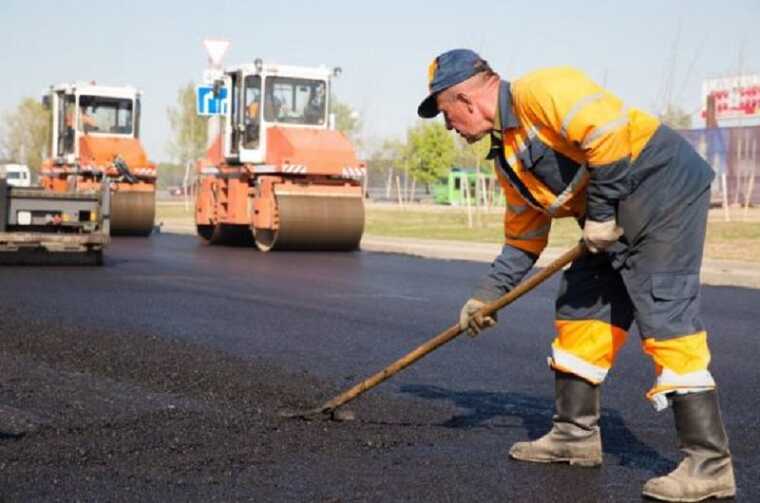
83,108
17,175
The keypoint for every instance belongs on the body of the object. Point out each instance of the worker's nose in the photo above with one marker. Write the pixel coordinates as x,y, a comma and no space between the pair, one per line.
448,123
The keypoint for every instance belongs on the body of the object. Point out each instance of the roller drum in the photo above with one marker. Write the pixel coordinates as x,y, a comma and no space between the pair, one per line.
315,222
225,234
132,212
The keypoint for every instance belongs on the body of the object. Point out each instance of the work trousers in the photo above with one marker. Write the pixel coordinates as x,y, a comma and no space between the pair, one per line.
650,277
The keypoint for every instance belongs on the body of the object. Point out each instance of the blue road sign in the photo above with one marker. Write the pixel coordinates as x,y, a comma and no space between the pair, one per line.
208,104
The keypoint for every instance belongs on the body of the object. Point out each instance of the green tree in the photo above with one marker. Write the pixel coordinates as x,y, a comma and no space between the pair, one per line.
188,141
347,120
384,162
675,117
430,151
25,133
474,154
388,155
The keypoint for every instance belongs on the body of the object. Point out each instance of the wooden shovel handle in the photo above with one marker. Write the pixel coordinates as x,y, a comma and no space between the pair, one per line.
453,331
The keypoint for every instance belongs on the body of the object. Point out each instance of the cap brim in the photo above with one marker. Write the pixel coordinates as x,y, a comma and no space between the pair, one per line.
429,107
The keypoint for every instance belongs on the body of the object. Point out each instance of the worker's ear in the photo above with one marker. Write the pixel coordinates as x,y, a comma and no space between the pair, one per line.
466,99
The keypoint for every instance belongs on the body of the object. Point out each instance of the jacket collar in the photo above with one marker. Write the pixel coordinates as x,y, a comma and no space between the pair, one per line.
504,119
506,110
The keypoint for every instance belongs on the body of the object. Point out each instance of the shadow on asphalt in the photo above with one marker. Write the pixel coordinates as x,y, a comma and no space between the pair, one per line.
535,413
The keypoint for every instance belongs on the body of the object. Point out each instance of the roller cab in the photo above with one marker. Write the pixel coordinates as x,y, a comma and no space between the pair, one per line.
276,172
95,138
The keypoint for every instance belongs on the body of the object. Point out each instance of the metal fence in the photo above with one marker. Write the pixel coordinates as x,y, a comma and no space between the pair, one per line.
734,154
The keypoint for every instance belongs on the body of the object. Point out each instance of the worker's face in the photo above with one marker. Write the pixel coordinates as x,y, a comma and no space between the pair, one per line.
461,114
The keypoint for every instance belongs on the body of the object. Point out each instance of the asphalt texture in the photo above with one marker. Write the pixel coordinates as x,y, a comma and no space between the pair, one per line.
161,377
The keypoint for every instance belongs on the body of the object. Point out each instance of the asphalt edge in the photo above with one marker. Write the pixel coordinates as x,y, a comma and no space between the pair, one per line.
714,272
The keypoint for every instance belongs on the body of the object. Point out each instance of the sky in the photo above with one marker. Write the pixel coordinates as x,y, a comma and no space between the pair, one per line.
647,52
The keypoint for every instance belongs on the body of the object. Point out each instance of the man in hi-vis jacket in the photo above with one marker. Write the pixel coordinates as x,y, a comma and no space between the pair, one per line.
565,147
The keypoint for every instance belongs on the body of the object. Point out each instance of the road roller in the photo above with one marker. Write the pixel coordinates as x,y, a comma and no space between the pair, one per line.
277,173
39,226
95,138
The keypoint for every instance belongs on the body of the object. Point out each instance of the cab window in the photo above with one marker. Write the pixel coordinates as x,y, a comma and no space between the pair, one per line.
98,114
252,112
295,101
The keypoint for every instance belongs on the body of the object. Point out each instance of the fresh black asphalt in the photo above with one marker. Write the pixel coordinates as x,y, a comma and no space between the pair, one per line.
441,428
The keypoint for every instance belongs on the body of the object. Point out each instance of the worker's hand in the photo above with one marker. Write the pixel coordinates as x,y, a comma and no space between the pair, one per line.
472,323
600,235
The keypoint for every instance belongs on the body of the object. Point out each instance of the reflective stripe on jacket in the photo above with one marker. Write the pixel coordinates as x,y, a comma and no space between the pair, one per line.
567,147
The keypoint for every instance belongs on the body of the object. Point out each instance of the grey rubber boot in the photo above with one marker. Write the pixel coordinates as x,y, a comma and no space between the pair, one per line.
575,436
707,470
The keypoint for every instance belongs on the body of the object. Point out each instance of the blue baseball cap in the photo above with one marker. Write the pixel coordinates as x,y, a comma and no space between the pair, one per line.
449,69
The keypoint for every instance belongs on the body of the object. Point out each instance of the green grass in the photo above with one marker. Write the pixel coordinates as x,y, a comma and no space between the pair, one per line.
172,210
735,240
452,224
733,231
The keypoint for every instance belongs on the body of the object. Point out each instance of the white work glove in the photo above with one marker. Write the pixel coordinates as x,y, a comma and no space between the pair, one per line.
600,235
474,324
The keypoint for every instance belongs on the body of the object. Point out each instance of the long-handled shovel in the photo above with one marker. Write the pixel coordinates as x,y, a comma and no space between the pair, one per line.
450,333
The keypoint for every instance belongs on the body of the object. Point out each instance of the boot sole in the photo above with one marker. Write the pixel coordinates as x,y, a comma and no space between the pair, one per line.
585,463
729,493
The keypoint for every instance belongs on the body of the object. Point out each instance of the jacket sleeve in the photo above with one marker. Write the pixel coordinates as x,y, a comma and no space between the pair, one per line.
587,116
505,273
526,234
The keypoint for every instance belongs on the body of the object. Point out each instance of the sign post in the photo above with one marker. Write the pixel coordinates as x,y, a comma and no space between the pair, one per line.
215,49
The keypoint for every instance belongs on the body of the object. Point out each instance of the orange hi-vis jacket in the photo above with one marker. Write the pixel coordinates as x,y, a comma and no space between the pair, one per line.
566,151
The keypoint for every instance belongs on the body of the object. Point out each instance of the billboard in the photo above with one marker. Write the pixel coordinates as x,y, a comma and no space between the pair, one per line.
735,97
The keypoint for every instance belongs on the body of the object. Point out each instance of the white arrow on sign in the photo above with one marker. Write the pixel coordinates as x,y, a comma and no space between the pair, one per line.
207,99
208,103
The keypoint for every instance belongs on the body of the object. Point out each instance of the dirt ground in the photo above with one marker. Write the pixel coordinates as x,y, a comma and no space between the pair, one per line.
93,415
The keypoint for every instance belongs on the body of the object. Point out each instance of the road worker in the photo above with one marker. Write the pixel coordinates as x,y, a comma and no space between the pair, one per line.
565,147
253,109
314,111
87,122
